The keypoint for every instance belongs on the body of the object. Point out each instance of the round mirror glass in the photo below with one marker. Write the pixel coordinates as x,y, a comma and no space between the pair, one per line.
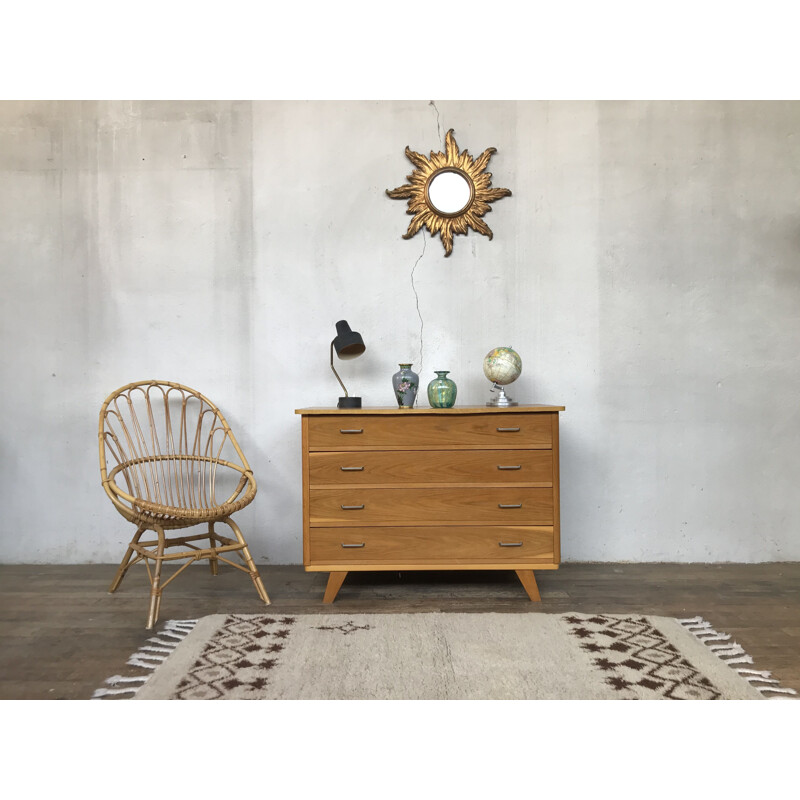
449,192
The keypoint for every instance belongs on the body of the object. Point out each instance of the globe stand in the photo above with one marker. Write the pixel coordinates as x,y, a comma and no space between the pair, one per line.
501,401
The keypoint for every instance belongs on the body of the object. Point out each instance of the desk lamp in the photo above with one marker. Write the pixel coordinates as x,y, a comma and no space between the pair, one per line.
348,344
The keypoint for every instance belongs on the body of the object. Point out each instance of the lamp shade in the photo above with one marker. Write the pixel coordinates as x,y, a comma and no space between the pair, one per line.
348,343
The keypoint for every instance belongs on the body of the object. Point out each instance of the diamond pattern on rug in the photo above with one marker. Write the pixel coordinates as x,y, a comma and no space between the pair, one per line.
639,660
239,656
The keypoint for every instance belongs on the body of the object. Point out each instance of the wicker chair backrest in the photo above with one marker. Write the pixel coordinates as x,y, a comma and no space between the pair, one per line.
168,446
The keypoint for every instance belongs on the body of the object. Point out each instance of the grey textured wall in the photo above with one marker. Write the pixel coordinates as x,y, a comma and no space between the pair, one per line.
646,268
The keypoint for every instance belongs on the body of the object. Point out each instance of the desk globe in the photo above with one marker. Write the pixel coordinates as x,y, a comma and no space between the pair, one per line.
502,366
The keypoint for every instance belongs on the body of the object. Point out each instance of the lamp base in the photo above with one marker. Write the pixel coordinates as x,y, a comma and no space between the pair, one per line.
349,402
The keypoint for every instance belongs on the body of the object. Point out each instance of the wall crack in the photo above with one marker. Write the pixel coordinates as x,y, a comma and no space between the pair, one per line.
416,297
438,126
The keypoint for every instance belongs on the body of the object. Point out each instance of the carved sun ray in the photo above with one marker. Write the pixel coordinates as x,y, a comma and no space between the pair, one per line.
425,214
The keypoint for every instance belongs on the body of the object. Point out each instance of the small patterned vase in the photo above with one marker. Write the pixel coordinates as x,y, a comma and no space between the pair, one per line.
406,384
442,390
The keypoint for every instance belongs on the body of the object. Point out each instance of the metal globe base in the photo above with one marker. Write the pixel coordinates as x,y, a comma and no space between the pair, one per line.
502,400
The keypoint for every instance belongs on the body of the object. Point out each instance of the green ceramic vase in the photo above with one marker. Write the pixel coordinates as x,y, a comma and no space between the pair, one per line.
442,390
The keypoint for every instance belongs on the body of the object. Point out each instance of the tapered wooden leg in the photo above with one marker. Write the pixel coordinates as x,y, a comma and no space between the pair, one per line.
248,560
213,562
123,567
155,589
528,581
335,581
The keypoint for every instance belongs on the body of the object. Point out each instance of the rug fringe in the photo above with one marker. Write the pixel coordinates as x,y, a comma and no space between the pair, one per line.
733,653
148,657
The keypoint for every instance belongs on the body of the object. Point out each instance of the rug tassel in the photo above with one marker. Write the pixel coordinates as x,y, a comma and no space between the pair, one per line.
702,626
149,657
717,637
733,653
152,649
173,634
762,673
727,649
145,661
100,693
745,659
115,679
163,643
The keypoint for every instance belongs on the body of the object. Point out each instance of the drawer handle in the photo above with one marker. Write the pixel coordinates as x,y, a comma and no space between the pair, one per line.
508,430
518,466
510,544
353,508
351,430
352,469
504,505
360,544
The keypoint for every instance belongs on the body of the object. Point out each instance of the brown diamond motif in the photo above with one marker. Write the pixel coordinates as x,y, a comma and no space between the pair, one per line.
240,643
640,660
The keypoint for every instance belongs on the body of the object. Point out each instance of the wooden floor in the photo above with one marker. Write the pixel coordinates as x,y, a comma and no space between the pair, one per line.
62,634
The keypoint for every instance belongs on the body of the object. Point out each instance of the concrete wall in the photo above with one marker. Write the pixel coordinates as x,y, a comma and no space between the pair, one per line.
646,268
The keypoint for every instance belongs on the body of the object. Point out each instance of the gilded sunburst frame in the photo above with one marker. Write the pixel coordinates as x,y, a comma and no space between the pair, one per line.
417,190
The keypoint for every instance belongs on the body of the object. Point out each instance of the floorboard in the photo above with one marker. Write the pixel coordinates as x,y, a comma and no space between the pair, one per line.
62,634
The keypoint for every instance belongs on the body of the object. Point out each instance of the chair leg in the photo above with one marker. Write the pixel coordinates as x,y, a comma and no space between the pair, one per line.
213,561
155,589
123,567
248,560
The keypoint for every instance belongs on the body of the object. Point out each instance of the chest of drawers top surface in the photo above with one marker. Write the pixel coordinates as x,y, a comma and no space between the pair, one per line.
415,412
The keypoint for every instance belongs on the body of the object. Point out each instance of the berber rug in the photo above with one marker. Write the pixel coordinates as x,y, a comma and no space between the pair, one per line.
441,656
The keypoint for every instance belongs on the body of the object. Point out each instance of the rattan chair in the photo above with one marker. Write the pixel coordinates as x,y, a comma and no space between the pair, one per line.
177,465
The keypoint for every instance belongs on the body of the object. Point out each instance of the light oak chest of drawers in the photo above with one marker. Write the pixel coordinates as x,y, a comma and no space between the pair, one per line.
430,489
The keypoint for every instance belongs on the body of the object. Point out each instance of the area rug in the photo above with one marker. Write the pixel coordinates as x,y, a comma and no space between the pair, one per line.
441,656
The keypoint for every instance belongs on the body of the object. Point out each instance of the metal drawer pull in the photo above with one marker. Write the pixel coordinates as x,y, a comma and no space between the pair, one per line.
352,469
352,430
518,466
504,505
508,430
510,544
360,544
353,508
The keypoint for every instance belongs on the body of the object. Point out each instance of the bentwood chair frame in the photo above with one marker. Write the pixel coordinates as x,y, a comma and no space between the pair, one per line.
167,474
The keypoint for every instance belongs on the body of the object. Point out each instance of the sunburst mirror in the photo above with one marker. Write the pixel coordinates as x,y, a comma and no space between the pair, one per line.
449,192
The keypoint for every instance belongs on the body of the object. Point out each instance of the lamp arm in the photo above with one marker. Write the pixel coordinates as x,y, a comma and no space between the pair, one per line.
337,374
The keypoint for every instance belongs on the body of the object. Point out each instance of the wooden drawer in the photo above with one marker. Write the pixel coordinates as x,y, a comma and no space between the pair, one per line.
448,544
421,431
430,467
348,506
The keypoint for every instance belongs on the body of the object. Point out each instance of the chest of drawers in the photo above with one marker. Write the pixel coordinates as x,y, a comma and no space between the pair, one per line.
430,489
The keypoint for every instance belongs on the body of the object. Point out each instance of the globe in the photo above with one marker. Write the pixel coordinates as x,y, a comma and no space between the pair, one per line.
502,366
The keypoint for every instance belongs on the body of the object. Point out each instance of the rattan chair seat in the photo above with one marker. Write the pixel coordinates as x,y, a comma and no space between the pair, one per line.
193,510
